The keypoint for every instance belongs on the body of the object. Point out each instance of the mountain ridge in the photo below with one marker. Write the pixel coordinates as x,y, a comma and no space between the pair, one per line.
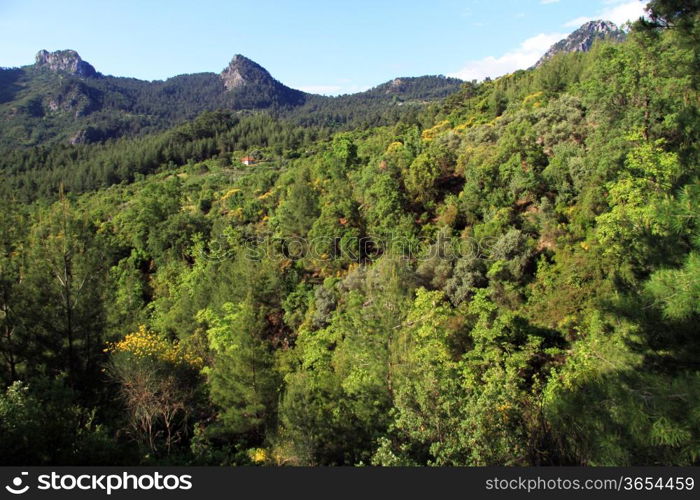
62,98
582,39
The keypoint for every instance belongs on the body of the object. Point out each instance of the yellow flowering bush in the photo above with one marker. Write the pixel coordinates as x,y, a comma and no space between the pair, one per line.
532,97
146,344
258,455
394,147
533,100
431,133
230,193
157,383
266,195
465,125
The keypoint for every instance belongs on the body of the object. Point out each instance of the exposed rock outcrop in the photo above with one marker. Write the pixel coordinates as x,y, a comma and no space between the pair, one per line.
67,61
242,71
582,39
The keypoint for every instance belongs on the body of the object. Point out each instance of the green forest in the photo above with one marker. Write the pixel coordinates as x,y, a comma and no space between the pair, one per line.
508,275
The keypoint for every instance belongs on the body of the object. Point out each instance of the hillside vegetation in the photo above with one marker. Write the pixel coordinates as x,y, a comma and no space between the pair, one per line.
510,276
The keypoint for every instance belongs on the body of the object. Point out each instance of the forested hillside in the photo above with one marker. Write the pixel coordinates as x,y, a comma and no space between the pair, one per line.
509,276
62,100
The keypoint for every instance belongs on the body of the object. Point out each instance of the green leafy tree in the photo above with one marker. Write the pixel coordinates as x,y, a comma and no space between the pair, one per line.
242,379
66,280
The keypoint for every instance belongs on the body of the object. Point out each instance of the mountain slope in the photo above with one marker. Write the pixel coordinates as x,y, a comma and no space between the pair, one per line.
582,39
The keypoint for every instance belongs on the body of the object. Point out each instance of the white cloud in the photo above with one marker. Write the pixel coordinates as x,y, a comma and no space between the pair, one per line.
618,11
546,2
628,11
523,57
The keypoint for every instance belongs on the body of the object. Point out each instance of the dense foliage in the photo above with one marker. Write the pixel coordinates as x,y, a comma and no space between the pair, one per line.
509,277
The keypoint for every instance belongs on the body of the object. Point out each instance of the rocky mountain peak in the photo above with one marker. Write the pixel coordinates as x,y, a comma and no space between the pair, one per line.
67,61
582,39
242,71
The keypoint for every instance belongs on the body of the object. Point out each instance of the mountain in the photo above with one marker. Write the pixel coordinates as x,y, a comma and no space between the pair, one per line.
422,87
252,87
241,72
582,39
380,105
68,61
63,99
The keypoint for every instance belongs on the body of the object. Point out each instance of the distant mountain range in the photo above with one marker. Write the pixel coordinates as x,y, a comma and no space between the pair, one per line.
64,99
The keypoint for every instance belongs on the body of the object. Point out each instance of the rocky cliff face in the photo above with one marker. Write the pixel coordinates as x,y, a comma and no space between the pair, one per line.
242,71
67,61
582,39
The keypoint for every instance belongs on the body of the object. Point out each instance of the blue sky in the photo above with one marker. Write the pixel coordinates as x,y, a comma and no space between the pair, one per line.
329,46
